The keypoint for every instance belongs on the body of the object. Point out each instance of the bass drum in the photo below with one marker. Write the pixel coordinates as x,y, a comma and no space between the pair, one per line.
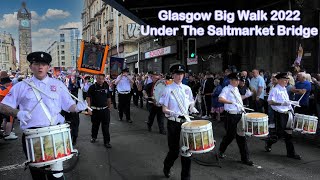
158,89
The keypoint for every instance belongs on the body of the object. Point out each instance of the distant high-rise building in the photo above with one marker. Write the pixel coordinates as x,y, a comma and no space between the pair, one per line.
7,52
25,44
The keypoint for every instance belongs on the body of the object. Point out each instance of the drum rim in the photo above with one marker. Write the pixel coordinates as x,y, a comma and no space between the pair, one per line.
45,129
203,151
160,81
309,117
257,120
266,115
43,134
196,127
46,163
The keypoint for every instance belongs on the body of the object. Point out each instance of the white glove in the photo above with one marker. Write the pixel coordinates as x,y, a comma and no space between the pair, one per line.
295,103
175,114
81,106
24,116
248,93
193,110
286,103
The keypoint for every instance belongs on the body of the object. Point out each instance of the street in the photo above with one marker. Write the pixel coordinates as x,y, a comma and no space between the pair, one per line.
137,154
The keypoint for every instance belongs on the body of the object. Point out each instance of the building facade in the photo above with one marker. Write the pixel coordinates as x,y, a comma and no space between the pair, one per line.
8,58
60,53
103,24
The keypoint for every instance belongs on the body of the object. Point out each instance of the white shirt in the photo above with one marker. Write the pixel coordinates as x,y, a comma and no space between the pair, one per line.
124,84
183,92
279,94
23,96
257,82
232,94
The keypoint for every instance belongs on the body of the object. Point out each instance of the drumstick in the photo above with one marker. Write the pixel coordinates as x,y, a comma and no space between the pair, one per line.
74,97
248,109
302,96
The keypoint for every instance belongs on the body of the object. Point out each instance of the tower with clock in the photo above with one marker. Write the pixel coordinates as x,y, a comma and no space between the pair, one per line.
25,45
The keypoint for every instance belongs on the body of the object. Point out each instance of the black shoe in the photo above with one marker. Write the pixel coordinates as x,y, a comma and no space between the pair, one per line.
247,162
295,156
107,145
267,147
120,119
115,108
149,128
129,121
163,132
93,140
166,172
222,155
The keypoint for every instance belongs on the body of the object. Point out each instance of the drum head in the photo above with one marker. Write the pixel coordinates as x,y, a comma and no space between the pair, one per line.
195,124
158,89
256,115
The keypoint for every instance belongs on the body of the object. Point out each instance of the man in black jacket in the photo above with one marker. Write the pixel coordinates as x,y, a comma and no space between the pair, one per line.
207,90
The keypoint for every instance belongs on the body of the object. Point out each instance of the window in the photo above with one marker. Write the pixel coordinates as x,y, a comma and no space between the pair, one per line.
63,58
63,63
62,46
62,52
111,13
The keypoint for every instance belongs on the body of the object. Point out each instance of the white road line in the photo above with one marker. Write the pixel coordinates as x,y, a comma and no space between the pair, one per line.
12,167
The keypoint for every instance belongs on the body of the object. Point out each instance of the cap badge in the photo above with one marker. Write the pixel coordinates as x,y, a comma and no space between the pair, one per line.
41,55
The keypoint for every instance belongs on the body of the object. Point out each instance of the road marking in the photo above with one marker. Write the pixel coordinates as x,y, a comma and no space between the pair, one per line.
12,167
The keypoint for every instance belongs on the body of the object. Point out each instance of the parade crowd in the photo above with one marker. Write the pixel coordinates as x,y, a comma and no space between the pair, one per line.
207,94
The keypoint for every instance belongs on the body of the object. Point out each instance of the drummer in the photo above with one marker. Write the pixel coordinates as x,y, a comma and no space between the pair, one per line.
36,112
175,119
280,103
233,105
154,108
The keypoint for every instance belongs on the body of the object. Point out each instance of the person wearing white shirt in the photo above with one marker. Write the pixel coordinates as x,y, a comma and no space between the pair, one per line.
233,104
123,83
279,100
176,117
54,95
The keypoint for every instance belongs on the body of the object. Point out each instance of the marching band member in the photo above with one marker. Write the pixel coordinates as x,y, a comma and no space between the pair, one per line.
34,113
233,105
154,108
283,116
99,98
123,83
175,116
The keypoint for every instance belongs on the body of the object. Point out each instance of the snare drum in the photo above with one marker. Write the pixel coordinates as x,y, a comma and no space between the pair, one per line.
48,145
197,136
305,123
256,124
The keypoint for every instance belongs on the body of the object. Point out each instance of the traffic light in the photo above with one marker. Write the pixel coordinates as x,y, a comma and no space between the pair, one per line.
192,48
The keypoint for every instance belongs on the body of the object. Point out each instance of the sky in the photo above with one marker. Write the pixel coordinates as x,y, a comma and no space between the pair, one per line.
48,17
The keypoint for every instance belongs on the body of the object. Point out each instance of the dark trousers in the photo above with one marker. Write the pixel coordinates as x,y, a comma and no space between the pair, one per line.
101,117
113,99
206,105
230,125
138,96
74,120
302,110
281,120
37,175
258,105
156,111
124,105
174,129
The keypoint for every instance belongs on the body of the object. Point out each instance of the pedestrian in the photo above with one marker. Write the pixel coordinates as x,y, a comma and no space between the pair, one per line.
99,99
54,98
176,117
123,83
155,109
257,85
73,117
233,105
302,89
283,115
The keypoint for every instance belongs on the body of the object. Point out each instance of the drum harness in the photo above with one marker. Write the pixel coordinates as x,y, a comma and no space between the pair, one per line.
45,109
